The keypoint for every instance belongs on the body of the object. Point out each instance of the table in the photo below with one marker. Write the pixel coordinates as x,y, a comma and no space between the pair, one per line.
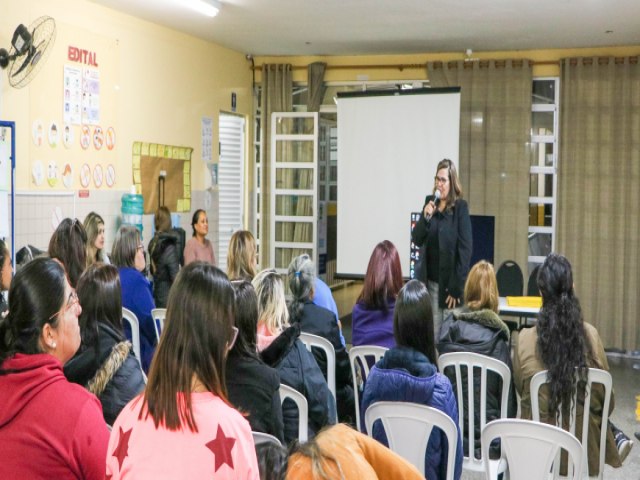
520,312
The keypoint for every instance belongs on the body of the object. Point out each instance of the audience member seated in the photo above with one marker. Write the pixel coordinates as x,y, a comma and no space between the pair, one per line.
372,317
165,257
242,257
477,328
281,348
68,245
564,344
198,247
337,452
322,322
128,255
408,373
94,226
6,273
253,387
49,428
104,364
182,426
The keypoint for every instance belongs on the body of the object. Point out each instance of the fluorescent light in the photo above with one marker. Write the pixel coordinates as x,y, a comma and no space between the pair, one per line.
210,8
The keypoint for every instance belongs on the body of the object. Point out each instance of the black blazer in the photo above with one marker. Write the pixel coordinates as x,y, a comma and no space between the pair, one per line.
454,252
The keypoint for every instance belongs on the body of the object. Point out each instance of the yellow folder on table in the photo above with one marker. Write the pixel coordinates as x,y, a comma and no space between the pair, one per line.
527,302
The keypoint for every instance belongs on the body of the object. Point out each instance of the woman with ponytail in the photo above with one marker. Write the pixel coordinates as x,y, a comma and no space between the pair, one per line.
566,346
322,322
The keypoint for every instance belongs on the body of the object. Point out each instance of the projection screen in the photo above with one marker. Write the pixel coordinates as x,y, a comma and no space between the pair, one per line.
389,145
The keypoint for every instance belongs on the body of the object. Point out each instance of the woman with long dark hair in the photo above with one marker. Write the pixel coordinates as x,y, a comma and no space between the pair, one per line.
49,428
104,364
408,372
566,346
443,234
183,426
252,385
68,244
372,316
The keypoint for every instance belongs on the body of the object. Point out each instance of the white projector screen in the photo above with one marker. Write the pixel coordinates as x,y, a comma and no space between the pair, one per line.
389,145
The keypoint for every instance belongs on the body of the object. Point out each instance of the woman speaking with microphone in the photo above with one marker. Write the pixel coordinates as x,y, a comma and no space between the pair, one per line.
443,234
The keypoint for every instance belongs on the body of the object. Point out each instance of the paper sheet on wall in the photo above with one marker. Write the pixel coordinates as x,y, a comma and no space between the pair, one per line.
72,95
91,96
207,139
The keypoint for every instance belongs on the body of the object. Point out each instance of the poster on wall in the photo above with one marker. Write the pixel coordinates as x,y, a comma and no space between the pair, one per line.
72,94
207,139
90,96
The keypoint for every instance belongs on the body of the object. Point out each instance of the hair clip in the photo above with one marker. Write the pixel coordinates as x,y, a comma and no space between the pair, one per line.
297,274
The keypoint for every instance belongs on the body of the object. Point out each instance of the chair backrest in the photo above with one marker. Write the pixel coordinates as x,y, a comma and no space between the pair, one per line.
158,315
510,279
530,449
130,317
594,376
325,345
474,366
362,358
532,284
408,427
303,410
260,438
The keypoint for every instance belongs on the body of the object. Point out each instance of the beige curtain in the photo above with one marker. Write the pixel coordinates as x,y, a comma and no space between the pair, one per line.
315,86
599,192
277,96
495,128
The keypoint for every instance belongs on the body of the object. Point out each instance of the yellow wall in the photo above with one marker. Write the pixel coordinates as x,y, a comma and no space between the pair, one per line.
416,69
156,85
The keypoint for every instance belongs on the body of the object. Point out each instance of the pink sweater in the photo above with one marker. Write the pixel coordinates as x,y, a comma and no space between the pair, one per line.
221,449
194,250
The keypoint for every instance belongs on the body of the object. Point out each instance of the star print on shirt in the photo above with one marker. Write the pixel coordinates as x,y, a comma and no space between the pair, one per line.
221,447
122,450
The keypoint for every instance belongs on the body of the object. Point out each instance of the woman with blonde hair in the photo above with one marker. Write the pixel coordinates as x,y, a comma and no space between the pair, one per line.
242,256
477,328
280,347
94,226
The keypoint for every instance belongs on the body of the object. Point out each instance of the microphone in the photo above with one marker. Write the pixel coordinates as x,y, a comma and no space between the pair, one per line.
436,199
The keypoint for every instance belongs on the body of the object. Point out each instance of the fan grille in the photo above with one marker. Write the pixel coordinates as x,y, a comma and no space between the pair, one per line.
24,68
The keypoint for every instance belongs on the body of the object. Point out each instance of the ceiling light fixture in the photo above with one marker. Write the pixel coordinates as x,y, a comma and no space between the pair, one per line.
210,8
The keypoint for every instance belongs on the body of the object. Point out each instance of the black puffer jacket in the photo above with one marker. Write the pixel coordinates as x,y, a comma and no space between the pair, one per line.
482,332
299,370
113,373
253,388
165,263
322,322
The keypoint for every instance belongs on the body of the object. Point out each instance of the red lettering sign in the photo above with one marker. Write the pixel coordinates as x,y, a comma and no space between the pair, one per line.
79,55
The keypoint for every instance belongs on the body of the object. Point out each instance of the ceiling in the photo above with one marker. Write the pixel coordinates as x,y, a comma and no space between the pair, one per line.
357,27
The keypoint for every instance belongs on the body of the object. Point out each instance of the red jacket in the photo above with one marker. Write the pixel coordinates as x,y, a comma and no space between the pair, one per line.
49,428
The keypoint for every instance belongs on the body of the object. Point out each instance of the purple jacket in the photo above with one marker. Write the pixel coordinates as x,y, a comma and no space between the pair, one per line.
372,327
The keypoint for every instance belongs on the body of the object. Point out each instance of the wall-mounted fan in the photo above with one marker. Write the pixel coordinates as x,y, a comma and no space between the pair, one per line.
30,47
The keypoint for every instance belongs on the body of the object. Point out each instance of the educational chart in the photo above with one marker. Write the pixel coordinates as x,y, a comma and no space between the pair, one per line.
149,159
81,96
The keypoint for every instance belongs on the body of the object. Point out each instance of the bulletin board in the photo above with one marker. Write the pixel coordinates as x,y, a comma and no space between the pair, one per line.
149,160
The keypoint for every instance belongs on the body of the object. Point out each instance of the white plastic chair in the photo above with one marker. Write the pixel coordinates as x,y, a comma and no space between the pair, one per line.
303,410
158,315
325,345
594,376
475,366
130,317
260,438
359,360
408,427
530,449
